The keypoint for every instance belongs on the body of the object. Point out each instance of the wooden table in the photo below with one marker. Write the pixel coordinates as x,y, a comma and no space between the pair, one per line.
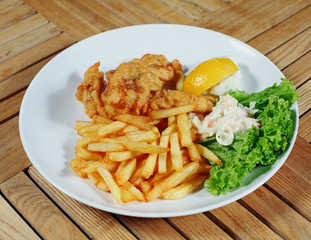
34,31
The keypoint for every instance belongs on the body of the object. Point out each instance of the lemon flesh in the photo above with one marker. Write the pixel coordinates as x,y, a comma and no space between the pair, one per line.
207,74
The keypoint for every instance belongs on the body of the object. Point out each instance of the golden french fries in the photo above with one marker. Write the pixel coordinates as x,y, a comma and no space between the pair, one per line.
132,160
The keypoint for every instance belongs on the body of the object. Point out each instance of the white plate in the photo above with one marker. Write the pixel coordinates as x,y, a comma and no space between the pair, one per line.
49,108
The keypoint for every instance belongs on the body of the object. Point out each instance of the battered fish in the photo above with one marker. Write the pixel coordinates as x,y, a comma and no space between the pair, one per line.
129,87
172,98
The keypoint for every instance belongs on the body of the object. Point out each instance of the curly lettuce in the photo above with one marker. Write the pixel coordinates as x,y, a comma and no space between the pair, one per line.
256,146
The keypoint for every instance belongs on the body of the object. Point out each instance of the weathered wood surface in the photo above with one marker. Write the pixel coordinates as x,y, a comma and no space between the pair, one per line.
32,32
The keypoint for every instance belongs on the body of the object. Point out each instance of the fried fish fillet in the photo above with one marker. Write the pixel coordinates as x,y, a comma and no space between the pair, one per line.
129,87
167,98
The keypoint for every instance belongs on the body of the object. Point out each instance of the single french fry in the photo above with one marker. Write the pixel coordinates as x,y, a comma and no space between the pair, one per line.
105,147
128,129
74,165
139,136
122,155
204,168
126,196
150,164
180,77
165,113
81,124
98,119
113,187
173,180
142,122
208,154
83,153
145,187
91,166
85,140
171,120
170,129
194,152
126,172
111,128
135,191
184,188
98,181
175,152
184,130
90,129
162,159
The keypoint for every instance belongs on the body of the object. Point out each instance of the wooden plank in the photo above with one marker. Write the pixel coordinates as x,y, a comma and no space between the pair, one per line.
282,32
187,8
27,41
198,226
304,93
245,20
80,19
242,223
162,11
150,228
12,225
34,54
21,80
24,26
131,12
15,15
12,156
210,5
11,106
38,210
291,50
304,129
299,71
278,215
293,189
7,5
298,154
97,224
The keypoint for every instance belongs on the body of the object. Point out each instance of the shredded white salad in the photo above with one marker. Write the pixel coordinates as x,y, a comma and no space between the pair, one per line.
226,118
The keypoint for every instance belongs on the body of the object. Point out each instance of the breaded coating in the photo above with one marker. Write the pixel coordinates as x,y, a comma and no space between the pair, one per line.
172,98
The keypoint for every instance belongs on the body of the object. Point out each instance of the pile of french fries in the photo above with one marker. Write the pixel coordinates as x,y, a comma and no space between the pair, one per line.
133,161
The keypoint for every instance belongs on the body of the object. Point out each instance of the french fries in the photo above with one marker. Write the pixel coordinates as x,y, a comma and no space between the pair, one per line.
133,161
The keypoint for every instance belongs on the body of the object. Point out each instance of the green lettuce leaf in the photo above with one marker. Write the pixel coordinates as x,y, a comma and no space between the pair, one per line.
256,146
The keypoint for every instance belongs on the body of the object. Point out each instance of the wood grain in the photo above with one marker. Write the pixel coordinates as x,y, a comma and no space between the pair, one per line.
299,71
198,226
150,228
21,80
15,15
11,106
304,127
242,223
39,211
27,41
291,50
12,156
7,5
34,54
304,93
79,22
281,33
97,224
12,226
278,215
22,27
245,20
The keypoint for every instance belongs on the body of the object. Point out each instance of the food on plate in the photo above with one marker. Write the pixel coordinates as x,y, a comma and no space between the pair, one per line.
144,142
140,165
173,98
128,88
218,75
259,145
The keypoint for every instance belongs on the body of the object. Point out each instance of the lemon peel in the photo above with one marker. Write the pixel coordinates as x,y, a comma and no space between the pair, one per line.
208,74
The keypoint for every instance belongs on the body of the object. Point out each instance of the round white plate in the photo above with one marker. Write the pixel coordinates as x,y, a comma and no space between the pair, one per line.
49,108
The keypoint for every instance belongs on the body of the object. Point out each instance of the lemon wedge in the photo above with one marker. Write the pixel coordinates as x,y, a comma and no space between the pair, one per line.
208,74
